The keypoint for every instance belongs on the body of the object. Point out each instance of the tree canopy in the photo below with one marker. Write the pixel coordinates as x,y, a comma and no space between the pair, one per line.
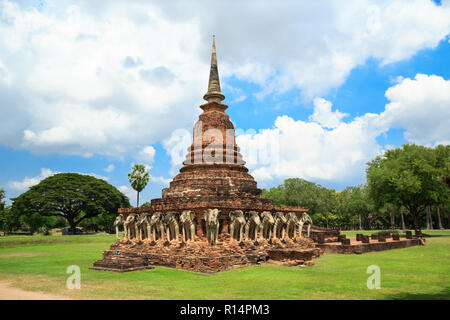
412,176
319,200
75,197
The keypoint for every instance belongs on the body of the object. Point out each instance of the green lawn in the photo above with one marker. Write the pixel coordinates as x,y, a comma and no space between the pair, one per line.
39,263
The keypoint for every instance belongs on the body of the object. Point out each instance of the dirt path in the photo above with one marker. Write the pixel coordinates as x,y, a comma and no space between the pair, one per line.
9,293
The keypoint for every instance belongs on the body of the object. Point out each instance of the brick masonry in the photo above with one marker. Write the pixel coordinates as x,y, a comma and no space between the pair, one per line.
199,256
358,247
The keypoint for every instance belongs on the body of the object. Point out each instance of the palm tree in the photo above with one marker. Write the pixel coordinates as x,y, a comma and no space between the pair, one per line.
138,178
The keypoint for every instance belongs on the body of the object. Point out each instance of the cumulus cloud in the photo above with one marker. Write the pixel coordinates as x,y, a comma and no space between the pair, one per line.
29,182
146,155
95,78
323,114
421,106
129,192
311,150
110,168
80,83
161,180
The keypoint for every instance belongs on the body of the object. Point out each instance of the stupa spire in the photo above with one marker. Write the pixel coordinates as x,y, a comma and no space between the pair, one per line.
214,94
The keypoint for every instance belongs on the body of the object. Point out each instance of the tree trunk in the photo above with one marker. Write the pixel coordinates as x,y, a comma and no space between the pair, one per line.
448,220
73,226
415,215
439,218
359,217
138,199
403,219
392,220
430,217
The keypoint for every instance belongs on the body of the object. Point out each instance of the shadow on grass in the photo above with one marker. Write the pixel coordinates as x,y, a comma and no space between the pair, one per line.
434,235
442,295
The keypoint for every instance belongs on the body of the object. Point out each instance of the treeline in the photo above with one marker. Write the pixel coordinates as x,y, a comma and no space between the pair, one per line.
406,188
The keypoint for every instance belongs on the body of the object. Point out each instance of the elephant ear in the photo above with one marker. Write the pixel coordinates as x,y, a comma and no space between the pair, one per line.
167,218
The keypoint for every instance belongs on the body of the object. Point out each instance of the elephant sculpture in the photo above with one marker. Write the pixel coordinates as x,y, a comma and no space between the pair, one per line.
119,221
171,226
252,226
211,217
237,224
306,219
157,226
143,224
130,226
267,223
187,225
292,224
279,226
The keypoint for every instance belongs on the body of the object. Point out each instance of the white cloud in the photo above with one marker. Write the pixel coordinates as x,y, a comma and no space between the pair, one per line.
82,82
110,168
323,114
176,147
29,182
99,78
420,106
161,180
147,154
310,151
130,193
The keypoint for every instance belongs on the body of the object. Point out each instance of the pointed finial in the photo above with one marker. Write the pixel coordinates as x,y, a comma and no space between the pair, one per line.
214,94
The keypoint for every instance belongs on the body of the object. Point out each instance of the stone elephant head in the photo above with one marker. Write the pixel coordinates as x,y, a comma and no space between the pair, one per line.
211,217
267,222
157,226
171,225
143,224
279,227
187,216
130,226
237,224
119,221
187,224
253,225
293,224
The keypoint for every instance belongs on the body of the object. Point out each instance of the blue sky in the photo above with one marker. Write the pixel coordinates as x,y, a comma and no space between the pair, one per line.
336,97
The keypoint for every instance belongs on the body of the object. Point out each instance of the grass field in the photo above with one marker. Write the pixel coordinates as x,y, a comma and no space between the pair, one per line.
39,263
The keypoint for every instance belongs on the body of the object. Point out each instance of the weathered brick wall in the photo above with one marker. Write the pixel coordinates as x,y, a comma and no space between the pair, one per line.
199,256
369,247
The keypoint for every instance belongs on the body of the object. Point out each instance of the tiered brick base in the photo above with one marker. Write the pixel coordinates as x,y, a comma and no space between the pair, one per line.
356,247
198,256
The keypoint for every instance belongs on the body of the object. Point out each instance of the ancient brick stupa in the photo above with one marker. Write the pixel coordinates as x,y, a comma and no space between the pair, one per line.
212,216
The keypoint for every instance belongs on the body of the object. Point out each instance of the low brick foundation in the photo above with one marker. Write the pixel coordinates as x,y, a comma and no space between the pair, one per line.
358,247
199,256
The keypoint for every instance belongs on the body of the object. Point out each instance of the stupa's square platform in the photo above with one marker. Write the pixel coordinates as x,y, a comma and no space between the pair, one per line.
358,247
199,256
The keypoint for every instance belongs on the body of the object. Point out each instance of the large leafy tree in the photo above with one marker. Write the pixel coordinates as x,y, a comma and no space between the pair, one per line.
75,197
320,201
8,221
356,206
138,178
411,176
